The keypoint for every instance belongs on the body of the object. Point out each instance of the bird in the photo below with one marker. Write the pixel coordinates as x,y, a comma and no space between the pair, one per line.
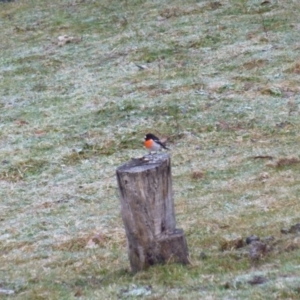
152,143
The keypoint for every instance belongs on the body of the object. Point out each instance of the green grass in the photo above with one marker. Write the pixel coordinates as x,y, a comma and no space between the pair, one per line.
221,81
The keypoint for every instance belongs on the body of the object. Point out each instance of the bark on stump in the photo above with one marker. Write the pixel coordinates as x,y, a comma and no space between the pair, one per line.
147,209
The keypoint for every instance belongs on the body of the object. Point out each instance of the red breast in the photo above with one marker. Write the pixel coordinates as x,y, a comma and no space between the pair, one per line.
148,143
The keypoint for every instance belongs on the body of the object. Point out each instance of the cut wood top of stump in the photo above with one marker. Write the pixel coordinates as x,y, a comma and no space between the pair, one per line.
144,163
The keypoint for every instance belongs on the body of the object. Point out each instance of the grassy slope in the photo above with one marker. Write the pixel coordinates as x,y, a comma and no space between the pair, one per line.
222,82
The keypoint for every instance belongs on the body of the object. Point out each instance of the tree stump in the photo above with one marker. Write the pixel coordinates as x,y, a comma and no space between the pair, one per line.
147,209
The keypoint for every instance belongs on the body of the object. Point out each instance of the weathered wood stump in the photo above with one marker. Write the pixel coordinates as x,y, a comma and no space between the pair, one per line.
147,209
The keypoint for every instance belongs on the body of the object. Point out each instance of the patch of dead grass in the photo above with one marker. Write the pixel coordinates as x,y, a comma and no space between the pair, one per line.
19,170
294,69
100,239
258,63
287,161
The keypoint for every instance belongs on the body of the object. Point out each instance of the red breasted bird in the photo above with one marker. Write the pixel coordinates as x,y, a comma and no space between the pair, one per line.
152,143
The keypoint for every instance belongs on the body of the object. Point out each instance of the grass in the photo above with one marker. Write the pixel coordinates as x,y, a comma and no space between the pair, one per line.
220,79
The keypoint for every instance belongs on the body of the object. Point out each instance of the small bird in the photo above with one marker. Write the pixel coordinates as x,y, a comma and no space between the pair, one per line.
152,143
